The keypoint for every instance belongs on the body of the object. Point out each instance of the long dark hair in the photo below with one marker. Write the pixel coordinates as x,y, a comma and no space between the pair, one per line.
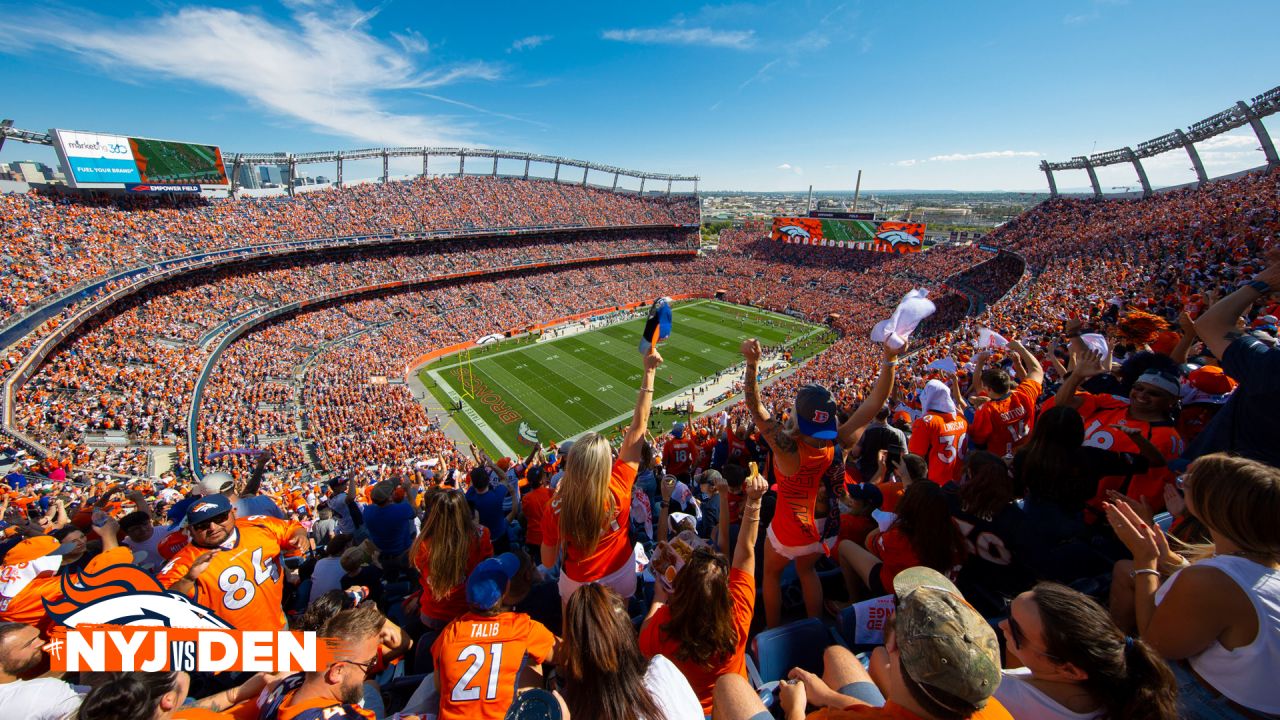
987,488
1049,465
1126,675
128,696
923,516
702,610
603,666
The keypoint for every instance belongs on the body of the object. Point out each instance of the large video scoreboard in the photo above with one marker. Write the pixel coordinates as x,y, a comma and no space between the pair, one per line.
842,230
119,162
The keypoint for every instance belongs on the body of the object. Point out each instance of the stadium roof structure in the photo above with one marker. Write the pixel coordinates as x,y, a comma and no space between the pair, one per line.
292,160
1236,116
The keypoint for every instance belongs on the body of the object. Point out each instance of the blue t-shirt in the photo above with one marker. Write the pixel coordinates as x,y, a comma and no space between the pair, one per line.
390,526
489,506
1244,426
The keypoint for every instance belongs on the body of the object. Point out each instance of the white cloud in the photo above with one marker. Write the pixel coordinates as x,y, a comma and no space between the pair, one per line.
788,167
412,41
1217,142
528,43
784,166
679,35
906,163
989,155
320,66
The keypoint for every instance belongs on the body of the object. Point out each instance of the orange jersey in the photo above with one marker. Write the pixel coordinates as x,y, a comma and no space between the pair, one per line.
1102,411
792,521
999,426
454,603
939,438
535,504
702,677
678,456
893,547
478,658
614,548
242,584
25,587
278,704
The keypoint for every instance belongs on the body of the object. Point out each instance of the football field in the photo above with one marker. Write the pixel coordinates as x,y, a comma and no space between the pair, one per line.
518,392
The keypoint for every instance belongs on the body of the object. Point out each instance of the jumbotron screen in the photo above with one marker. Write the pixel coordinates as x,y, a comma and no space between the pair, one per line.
869,235
101,161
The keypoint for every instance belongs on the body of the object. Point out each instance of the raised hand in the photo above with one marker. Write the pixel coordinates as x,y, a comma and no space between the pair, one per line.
751,350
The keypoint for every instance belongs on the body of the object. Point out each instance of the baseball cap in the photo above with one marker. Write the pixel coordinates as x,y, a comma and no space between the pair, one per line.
488,582
677,430
36,547
867,493
943,642
1210,379
382,492
206,508
338,482
816,412
214,483
562,450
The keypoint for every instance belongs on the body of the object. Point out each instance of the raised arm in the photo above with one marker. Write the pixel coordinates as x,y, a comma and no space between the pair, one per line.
1031,366
1084,365
1217,326
787,460
866,412
634,437
744,555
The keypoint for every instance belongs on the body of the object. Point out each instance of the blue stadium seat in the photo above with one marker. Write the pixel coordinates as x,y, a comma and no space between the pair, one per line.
797,644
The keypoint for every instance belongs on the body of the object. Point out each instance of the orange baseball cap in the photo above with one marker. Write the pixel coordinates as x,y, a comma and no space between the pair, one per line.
34,548
1210,379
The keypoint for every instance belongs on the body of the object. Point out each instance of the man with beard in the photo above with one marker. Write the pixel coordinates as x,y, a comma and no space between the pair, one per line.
21,656
335,691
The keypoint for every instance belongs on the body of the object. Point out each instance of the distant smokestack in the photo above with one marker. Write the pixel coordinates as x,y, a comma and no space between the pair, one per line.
809,205
857,188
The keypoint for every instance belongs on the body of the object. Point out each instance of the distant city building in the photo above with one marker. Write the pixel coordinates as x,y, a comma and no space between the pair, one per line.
248,178
30,171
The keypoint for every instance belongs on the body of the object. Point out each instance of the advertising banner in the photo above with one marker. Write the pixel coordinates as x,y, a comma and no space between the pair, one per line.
95,158
139,165
886,237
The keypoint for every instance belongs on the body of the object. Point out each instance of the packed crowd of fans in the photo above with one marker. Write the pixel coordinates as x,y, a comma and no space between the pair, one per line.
52,242
1061,507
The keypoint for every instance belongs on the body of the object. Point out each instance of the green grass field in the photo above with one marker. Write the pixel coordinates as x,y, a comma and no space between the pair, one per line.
848,230
563,387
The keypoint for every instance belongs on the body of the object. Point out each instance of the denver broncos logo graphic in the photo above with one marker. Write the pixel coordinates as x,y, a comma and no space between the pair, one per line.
528,434
795,232
125,595
898,237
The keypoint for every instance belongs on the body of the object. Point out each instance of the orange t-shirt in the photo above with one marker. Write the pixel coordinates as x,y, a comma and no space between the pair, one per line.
535,505
702,678
1102,411
939,438
455,603
242,585
892,493
793,523
26,606
893,547
1000,425
892,711
478,658
614,548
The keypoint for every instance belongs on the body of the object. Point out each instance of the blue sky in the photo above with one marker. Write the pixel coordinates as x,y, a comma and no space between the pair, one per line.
756,96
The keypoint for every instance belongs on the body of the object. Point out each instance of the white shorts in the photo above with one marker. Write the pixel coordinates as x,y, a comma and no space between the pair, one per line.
622,581
791,552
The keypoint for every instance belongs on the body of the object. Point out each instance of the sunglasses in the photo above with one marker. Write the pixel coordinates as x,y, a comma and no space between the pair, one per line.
1020,639
365,666
215,520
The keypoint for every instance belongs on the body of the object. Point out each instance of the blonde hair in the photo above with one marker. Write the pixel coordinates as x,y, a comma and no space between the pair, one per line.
585,503
1239,499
